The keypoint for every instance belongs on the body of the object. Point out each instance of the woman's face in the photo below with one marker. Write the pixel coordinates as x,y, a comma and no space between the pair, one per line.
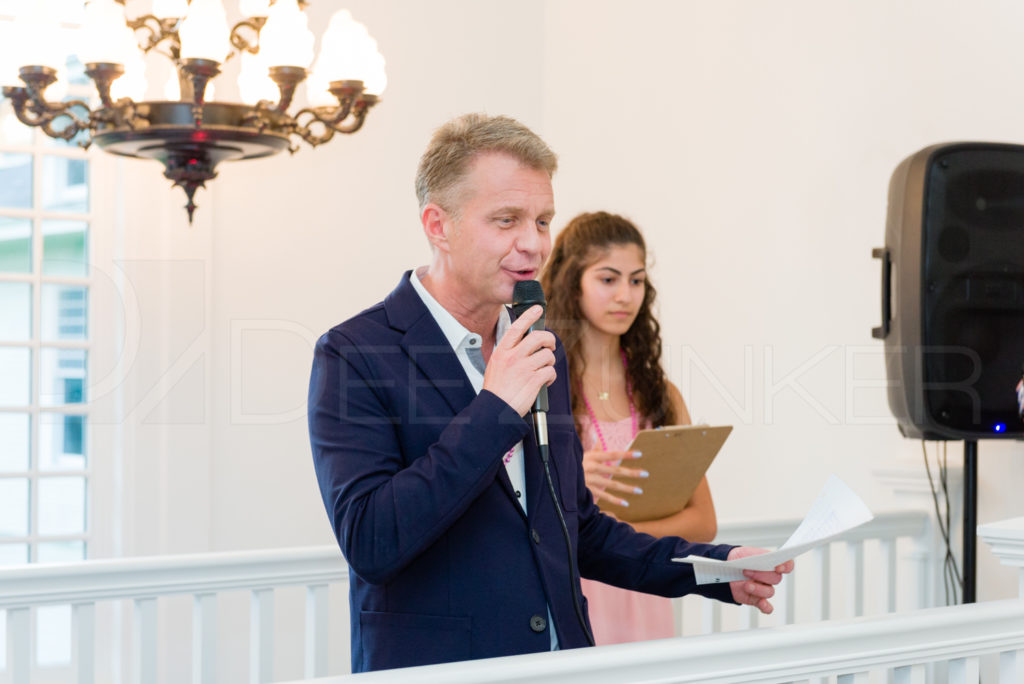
612,289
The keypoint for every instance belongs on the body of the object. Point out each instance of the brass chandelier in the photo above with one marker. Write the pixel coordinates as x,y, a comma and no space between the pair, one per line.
189,132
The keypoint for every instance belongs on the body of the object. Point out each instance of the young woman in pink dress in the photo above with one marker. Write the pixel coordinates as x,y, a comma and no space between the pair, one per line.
600,303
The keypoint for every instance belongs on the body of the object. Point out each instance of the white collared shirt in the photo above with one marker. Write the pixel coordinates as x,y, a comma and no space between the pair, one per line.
464,343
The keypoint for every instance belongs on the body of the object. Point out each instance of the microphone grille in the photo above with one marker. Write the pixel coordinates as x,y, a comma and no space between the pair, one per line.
525,294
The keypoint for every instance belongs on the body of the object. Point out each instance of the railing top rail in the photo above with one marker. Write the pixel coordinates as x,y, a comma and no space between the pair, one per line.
773,532
792,652
151,576
142,577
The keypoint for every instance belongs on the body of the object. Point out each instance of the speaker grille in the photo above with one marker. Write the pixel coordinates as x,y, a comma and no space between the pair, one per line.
972,294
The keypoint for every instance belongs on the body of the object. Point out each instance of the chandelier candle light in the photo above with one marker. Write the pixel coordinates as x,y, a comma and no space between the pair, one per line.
188,132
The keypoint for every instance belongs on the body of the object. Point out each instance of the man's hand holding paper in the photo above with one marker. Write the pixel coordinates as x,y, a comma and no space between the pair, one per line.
758,585
836,510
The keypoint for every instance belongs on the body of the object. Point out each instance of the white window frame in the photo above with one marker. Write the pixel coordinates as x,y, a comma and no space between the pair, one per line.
101,444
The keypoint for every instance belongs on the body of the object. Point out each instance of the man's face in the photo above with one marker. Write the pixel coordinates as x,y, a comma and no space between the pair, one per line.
502,234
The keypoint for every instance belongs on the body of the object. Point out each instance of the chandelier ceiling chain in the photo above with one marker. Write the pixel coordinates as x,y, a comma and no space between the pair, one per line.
193,133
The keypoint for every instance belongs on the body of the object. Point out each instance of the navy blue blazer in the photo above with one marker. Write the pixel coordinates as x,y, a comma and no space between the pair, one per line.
444,564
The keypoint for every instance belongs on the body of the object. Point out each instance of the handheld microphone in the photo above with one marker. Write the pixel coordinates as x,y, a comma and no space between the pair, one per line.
529,293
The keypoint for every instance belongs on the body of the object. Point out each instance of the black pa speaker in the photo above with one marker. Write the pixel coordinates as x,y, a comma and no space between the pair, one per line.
953,291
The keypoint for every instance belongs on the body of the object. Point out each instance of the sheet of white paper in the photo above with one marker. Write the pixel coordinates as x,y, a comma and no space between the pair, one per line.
836,510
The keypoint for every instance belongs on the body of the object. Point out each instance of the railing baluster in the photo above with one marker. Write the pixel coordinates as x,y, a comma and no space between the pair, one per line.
710,617
748,617
1010,667
963,671
83,642
887,568
261,636
788,601
909,674
316,631
19,645
855,553
204,638
821,572
144,633
678,617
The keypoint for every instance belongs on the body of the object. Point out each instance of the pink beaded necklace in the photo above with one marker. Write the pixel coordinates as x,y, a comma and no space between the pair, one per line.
593,416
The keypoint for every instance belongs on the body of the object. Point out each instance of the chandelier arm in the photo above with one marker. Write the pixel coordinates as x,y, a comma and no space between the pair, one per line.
357,120
32,110
328,116
159,30
240,42
67,132
121,114
259,116
340,122
313,120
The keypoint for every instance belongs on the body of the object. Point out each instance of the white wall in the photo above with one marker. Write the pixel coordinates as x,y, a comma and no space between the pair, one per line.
751,141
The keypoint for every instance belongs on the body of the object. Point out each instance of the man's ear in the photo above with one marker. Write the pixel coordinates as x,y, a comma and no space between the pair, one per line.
435,220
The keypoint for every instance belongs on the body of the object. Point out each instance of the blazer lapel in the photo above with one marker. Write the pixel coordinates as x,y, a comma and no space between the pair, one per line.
427,347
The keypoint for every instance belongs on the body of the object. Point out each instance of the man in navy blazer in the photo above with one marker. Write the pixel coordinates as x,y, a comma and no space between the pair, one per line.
429,471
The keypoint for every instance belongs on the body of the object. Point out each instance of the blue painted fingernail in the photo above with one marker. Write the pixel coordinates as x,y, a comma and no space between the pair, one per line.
637,490
624,503
644,473
637,454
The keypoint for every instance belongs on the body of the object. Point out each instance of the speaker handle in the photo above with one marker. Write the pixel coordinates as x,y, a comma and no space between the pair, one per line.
883,253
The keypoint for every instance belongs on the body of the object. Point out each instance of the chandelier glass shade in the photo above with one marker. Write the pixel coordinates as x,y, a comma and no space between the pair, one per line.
189,131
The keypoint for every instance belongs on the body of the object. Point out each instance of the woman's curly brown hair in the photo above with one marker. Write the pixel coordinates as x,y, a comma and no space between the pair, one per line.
578,246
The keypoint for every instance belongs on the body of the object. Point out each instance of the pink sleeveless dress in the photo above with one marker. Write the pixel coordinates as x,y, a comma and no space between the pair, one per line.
619,615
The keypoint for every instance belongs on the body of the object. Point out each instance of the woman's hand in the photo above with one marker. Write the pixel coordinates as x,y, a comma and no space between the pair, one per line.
598,469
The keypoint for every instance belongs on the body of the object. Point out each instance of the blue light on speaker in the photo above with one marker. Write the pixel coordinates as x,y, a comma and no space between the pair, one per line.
999,427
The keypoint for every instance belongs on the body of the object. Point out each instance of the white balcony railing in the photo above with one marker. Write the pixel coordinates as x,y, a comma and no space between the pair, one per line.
930,645
877,563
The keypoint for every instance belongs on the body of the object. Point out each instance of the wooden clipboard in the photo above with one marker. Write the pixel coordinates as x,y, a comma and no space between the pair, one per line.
676,458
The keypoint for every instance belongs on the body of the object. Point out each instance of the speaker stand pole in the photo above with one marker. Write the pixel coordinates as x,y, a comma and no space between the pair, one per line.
970,518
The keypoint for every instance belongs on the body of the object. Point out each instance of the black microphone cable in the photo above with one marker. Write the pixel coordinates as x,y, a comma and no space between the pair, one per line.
529,293
577,602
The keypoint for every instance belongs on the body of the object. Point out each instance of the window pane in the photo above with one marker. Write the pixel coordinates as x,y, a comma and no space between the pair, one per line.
61,442
75,69
15,312
61,505
15,245
14,442
60,552
13,554
16,371
62,377
65,184
64,314
64,248
15,180
13,507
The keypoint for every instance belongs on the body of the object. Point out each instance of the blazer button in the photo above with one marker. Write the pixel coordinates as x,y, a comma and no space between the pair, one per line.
538,624
536,540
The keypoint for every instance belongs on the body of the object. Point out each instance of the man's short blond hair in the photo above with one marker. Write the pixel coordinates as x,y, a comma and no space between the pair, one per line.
445,163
